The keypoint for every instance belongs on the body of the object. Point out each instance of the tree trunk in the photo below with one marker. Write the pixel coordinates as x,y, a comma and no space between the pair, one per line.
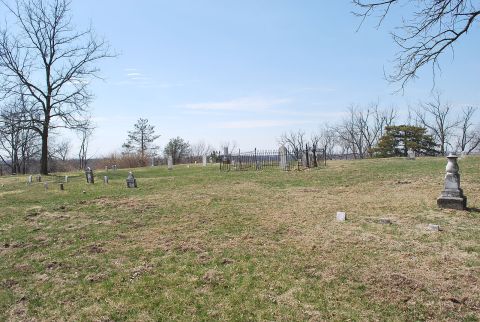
44,156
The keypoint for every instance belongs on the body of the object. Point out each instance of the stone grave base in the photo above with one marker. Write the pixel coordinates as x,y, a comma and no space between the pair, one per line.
459,203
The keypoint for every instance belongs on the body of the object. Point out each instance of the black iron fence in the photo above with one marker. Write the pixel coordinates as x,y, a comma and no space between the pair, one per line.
282,159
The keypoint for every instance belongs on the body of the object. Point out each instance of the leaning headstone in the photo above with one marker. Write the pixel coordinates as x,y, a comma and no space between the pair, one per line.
39,178
282,151
452,195
170,162
89,176
411,154
29,179
105,179
61,186
131,181
204,160
66,179
341,216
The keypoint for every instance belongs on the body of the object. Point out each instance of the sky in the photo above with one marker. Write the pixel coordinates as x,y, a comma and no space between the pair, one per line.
247,71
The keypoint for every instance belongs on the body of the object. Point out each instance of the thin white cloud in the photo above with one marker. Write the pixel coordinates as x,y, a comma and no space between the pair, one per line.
241,104
134,74
251,124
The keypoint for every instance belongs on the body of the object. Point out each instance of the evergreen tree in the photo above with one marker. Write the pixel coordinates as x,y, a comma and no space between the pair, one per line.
398,139
141,140
177,148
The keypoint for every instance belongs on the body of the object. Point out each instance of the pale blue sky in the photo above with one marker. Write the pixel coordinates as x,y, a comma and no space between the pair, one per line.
249,70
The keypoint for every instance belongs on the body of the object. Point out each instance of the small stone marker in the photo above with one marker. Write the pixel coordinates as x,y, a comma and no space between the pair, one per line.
434,227
411,154
204,160
341,216
170,162
45,185
131,181
452,195
89,176
385,221
66,179
105,179
61,187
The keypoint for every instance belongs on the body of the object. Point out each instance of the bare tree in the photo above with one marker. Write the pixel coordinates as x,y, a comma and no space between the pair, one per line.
17,140
201,148
84,134
45,58
294,141
61,150
429,29
467,138
436,117
231,146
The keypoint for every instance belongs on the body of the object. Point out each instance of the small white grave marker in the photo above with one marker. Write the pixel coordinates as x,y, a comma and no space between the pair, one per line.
341,216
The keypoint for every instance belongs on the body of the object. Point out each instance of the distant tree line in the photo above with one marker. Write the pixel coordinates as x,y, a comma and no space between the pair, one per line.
432,128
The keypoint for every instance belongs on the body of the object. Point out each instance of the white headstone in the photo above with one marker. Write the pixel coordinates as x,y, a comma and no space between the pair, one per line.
66,179
30,179
341,216
105,179
170,162
411,154
283,158
204,160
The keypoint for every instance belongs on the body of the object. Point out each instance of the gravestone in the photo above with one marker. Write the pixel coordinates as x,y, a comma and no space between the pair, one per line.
30,179
114,167
105,179
89,176
434,227
170,162
66,179
153,161
61,186
39,178
106,168
45,185
204,160
411,154
341,216
282,151
452,195
131,181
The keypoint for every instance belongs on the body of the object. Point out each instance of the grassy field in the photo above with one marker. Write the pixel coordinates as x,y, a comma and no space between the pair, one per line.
199,244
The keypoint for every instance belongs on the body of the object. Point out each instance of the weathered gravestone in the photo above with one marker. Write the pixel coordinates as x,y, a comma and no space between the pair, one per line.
105,179
89,176
131,181
61,186
106,168
39,178
66,179
204,160
411,154
452,195
45,185
29,179
282,151
170,162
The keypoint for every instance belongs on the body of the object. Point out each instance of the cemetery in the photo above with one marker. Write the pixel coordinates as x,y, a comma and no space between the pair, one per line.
353,240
